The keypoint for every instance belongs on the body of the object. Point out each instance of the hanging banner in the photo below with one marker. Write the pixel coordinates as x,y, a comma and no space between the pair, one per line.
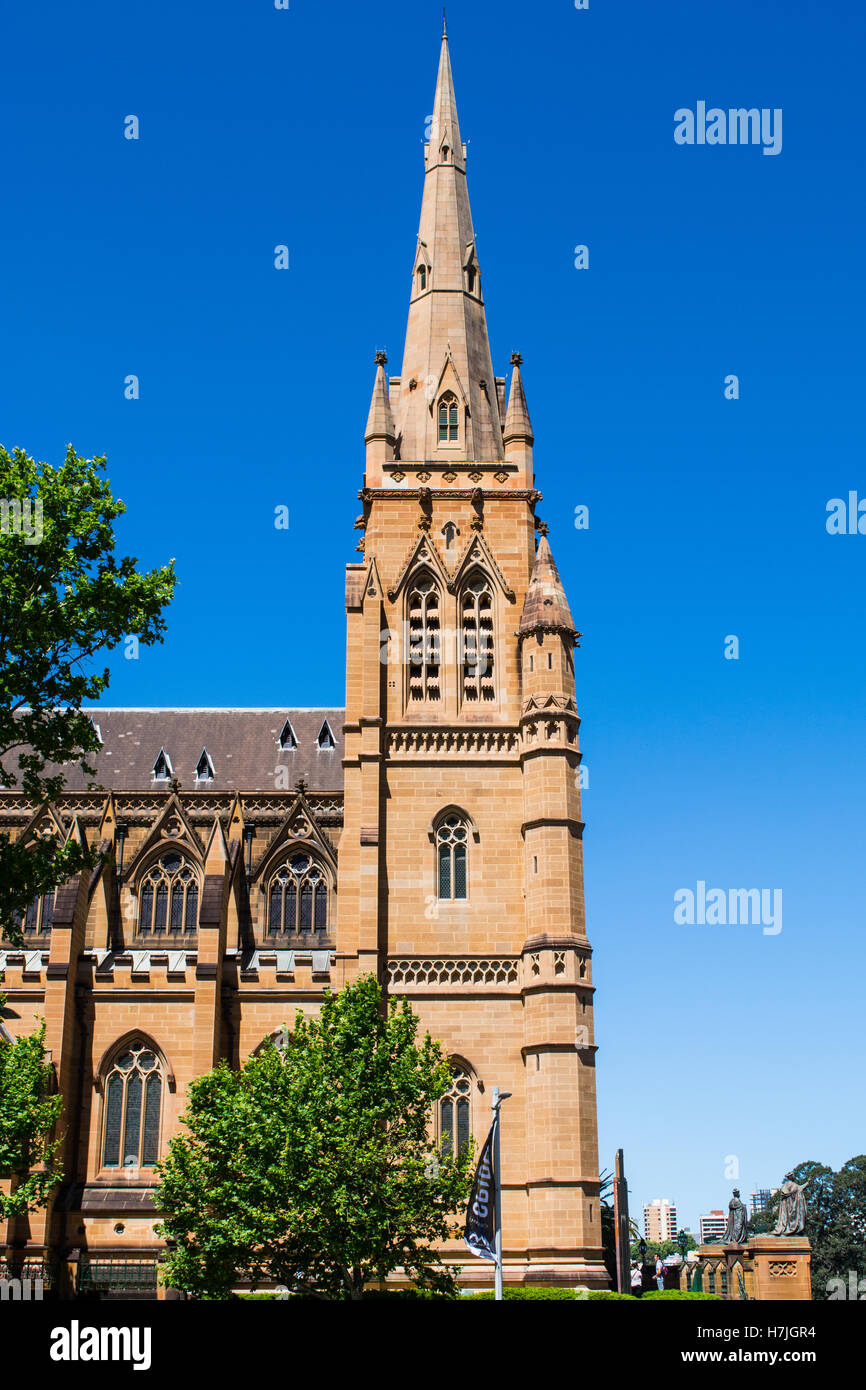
480,1234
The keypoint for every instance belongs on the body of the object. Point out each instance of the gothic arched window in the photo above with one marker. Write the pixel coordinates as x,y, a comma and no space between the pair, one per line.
422,277
424,635
168,898
452,838
449,428
39,915
476,607
455,1116
132,1108
470,279
298,898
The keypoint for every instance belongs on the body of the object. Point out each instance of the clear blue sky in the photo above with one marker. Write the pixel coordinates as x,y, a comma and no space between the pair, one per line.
707,516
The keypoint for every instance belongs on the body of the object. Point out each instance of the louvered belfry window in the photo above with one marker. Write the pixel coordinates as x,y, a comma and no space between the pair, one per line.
298,898
479,681
451,847
133,1108
424,638
169,898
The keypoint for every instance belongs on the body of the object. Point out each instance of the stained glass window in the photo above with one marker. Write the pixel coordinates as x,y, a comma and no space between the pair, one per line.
451,841
298,898
455,1119
40,915
169,898
133,1105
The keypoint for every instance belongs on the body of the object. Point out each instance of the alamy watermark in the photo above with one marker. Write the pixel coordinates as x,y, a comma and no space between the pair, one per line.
21,1290
846,517
736,126
22,518
733,907
852,1289
407,646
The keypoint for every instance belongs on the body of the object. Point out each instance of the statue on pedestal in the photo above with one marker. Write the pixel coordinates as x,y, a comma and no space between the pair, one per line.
792,1208
735,1231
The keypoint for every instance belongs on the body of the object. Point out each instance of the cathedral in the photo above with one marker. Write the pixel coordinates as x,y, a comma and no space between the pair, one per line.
429,833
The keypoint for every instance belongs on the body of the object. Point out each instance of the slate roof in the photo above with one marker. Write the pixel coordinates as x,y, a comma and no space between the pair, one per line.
243,746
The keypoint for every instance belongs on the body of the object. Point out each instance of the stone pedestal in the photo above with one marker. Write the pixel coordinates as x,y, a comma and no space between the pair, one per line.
782,1267
771,1268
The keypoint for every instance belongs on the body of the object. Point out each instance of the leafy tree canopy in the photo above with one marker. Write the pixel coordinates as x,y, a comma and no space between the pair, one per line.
28,1115
65,600
314,1166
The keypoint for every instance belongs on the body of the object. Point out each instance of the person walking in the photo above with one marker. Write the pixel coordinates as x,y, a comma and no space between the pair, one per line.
636,1279
660,1274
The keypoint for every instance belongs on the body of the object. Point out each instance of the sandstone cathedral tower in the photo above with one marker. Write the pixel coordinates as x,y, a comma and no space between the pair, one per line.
432,834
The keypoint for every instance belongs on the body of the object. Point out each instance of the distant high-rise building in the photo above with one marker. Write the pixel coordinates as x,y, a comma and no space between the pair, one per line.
713,1226
760,1200
660,1220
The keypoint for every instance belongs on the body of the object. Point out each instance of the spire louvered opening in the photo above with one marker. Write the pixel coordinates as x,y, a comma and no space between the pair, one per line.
287,737
449,421
478,657
326,738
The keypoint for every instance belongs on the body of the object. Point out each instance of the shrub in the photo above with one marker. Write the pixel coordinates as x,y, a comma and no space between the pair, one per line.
529,1294
670,1294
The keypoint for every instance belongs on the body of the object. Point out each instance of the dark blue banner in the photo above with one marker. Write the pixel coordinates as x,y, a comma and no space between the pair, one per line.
480,1234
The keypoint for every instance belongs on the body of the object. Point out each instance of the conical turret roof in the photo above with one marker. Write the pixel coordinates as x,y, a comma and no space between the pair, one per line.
517,422
380,421
545,605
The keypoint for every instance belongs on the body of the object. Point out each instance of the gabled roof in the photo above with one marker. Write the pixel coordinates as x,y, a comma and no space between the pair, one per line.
242,744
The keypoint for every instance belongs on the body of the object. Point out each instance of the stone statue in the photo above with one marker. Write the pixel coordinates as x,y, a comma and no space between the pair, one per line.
735,1231
792,1208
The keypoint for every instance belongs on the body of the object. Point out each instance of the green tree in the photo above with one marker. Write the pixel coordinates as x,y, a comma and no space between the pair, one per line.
314,1166
28,1117
835,1220
65,600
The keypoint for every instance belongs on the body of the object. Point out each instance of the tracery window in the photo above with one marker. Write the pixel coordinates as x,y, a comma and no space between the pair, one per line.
452,838
169,898
424,654
448,419
477,633
298,898
133,1108
39,916
455,1117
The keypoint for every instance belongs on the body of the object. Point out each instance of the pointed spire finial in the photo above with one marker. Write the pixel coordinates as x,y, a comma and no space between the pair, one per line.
516,359
381,359
444,24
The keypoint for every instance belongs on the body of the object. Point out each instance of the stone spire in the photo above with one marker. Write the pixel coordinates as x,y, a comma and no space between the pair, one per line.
379,435
447,349
546,607
518,425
